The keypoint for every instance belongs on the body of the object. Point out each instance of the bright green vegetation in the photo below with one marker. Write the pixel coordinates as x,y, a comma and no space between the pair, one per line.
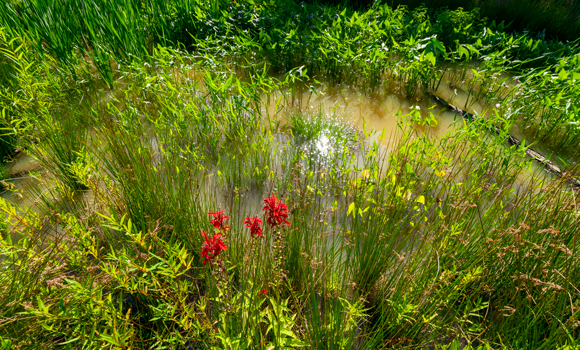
146,116
549,18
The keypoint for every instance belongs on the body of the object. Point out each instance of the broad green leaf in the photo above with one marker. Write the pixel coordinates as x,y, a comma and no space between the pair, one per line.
350,208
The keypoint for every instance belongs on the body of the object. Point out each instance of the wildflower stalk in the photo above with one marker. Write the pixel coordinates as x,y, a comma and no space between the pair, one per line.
255,226
211,251
219,273
276,215
279,258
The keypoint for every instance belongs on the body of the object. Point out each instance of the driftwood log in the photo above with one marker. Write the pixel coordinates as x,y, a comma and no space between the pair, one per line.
546,163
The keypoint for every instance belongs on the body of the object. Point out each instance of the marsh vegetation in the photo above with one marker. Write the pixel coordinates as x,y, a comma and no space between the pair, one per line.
246,174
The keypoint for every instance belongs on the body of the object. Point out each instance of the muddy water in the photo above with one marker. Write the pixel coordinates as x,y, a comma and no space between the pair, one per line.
20,180
485,97
383,111
380,113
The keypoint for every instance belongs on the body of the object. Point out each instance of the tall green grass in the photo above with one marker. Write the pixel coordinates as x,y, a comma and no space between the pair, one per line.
7,137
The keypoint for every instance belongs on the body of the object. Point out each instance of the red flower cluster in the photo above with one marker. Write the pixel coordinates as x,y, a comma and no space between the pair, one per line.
212,246
276,211
255,225
218,220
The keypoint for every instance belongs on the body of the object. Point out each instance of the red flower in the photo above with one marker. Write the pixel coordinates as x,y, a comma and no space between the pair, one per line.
212,246
254,224
276,211
218,220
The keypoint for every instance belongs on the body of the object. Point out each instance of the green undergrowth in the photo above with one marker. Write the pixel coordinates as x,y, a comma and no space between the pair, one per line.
400,241
7,140
549,19
3,177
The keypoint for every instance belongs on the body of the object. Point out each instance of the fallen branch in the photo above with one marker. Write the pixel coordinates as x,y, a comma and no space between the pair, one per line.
545,162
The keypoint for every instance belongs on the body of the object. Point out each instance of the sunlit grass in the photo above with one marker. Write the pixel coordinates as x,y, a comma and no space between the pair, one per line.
433,241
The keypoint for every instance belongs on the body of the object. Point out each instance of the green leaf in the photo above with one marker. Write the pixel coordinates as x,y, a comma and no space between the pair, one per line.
563,74
295,342
350,208
69,341
420,199
41,305
428,56
462,51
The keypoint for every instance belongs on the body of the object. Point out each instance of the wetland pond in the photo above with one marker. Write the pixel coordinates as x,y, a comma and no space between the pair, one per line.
381,112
